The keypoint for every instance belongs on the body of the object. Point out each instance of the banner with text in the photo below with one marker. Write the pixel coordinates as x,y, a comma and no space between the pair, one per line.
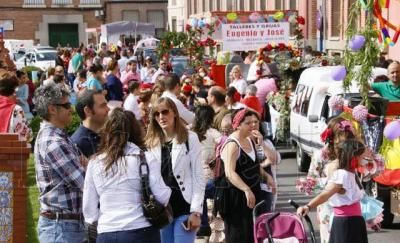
252,36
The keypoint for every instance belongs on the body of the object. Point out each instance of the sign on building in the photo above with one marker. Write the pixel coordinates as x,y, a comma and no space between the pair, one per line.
252,36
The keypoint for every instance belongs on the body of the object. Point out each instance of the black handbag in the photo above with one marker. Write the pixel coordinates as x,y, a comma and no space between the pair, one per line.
155,212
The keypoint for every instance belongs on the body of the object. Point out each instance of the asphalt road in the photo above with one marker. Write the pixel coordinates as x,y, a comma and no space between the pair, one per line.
287,174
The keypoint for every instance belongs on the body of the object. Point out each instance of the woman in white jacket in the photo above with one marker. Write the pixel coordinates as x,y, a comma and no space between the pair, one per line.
178,153
112,179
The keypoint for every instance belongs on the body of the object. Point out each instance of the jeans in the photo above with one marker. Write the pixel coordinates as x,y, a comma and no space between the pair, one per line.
175,233
268,197
71,78
60,231
209,194
148,235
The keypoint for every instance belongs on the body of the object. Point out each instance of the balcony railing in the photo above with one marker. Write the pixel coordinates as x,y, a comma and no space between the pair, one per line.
34,4
62,2
90,3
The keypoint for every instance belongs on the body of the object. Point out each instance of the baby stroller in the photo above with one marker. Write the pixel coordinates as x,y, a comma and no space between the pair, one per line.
280,227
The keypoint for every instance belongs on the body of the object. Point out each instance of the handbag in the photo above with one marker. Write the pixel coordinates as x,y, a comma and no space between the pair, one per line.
154,211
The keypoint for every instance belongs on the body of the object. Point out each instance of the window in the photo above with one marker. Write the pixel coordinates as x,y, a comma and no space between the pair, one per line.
173,24
173,2
218,5
241,5
130,15
90,2
195,7
292,4
302,96
156,17
203,7
211,5
253,4
229,5
263,5
335,18
278,4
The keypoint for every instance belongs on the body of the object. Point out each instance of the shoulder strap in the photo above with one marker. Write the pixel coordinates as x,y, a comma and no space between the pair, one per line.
187,145
144,177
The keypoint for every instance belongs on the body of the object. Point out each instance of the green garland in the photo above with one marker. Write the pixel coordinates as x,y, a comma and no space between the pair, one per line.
367,56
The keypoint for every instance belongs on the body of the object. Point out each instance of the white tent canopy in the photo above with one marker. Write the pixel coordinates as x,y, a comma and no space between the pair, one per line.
110,33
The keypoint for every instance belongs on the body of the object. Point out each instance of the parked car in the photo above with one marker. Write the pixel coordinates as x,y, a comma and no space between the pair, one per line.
42,57
180,64
310,110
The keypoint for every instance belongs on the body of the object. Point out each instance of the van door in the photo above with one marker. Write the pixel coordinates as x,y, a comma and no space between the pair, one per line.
319,126
300,127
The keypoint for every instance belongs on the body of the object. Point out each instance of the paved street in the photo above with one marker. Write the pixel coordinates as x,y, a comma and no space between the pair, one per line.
287,174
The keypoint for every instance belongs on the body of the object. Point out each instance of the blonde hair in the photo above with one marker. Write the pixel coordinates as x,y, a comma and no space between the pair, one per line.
155,134
236,68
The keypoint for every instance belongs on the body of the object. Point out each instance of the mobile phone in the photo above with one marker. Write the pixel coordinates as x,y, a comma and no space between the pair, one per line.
185,224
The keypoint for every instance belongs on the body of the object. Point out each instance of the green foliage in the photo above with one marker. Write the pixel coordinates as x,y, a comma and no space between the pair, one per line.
367,56
32,203
70,129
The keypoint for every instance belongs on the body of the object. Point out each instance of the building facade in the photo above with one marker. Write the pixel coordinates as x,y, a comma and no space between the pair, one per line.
64,22
180,11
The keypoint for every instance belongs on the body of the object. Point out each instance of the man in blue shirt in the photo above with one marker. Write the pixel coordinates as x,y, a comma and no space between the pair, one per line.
93,110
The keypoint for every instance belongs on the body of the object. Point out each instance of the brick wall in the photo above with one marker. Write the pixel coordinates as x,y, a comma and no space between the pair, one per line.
114,11
26,20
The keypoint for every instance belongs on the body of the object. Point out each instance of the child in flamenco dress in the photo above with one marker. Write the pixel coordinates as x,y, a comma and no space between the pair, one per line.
344,193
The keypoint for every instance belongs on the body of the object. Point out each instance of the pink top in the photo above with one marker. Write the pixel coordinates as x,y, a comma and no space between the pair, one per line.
264,87
348,210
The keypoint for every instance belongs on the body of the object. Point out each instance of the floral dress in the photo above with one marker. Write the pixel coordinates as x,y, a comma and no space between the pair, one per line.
19,124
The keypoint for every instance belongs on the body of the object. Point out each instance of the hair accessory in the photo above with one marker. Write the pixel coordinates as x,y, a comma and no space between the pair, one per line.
353,163
346,126
326,135
238,118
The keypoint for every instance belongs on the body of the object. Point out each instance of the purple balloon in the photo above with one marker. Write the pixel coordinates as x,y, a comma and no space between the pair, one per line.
392,130
339,73
357,42
319,21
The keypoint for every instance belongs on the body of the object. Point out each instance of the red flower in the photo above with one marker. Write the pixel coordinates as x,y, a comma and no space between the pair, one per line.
267,60
188,27
259,72
301,20
281,46
326,134
324,62
268,47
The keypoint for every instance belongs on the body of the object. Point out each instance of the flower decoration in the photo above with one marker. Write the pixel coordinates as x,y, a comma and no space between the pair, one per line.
336,103
371,166
360,113
345,126
308,185
326,135
301,20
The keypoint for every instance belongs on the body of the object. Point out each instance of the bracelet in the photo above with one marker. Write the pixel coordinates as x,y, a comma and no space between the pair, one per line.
308,206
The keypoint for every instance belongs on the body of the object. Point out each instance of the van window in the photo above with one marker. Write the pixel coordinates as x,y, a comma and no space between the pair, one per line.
306,101
325,111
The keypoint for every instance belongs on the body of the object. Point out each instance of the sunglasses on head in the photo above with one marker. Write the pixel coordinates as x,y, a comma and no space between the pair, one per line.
65,105
163,112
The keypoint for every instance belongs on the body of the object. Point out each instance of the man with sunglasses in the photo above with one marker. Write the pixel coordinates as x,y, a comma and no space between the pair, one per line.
162,70
59,169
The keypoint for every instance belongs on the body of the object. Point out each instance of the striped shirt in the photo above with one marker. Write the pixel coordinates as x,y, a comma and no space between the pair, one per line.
59,173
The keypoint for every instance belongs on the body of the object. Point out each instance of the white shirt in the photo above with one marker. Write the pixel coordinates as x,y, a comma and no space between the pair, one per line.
213,136
240,85
237,106
184,113
119,194
131,104
145,74
156,74
122,63
348,182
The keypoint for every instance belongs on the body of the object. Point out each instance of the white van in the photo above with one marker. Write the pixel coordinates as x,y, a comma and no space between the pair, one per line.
17,48
42,57
310,110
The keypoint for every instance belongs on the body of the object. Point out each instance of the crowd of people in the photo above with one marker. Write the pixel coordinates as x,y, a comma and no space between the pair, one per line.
187,126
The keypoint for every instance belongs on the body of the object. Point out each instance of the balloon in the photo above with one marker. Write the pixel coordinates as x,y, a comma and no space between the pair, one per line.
357,42
279,15
261,19
392,130
193,22
201,23
339,73
271,19
254,17
231,16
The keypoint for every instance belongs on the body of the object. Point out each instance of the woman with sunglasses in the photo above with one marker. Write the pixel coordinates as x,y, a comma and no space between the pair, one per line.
178,151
